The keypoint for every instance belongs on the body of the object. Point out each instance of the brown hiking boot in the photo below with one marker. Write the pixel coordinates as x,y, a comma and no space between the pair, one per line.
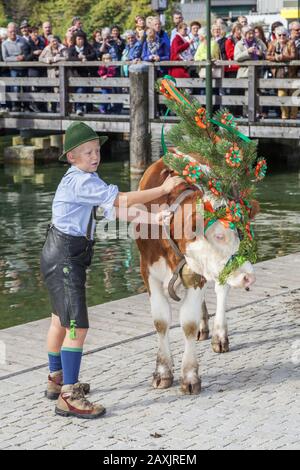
55,383
72,402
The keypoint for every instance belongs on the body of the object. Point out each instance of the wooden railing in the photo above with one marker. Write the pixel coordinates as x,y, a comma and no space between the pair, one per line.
251,93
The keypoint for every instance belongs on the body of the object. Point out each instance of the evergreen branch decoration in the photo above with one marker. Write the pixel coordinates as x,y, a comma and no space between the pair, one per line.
213,153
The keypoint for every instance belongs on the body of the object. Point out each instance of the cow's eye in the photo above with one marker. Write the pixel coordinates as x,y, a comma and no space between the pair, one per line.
220,237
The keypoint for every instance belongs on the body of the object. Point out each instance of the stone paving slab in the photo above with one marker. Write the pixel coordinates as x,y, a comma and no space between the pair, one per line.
250,396
127,318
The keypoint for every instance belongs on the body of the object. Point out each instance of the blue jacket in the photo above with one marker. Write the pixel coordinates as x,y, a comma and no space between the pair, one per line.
132,53
163,50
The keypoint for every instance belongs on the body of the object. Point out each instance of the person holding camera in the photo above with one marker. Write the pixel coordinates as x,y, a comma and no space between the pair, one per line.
283,50
248,48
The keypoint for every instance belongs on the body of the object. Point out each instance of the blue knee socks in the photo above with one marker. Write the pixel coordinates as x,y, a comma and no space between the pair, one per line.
71,360
54,362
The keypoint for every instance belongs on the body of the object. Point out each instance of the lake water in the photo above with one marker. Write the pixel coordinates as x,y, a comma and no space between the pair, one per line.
25,209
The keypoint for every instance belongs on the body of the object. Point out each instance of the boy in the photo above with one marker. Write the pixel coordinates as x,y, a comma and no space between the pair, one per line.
65,257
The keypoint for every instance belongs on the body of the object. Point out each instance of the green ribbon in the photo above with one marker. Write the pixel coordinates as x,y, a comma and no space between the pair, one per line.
213,121
231,129
162,138
72,329
163,142
210,223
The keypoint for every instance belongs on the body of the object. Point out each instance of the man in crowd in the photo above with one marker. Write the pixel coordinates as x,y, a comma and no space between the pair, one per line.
77,26
24,28
177,19
47,31
15,49
294,72
243,21
295,36
36,44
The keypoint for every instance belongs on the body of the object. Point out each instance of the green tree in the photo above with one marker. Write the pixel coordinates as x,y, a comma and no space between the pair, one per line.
95,14
3,18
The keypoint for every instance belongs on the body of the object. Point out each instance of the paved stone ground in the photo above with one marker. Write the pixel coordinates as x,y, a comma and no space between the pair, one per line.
130,317
250,397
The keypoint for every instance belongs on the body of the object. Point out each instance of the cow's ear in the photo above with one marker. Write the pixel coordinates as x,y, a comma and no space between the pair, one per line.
255,208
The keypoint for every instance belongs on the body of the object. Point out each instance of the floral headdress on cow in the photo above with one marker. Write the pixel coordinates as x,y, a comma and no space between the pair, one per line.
213,154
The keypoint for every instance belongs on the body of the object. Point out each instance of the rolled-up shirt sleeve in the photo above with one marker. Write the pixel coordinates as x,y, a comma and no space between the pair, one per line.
92,190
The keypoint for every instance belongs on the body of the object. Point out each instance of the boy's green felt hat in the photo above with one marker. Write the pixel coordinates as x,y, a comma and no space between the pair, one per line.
79,133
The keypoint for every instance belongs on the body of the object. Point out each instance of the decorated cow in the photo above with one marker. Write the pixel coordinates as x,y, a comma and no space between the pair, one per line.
216,243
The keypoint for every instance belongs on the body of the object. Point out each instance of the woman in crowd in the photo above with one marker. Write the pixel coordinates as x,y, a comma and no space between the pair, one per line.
248,48
194,30
201,53
82,51
219,35
274,26
106,45
231,70
151,47
97,42
260,34
180,51
231,41
69,41
117,43
283,50
140,28
132,51
52,54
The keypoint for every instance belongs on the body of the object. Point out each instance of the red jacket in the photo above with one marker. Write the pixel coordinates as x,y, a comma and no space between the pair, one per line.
109,71
229,49
178,45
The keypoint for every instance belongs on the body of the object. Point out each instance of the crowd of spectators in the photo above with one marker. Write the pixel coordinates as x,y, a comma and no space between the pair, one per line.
147,41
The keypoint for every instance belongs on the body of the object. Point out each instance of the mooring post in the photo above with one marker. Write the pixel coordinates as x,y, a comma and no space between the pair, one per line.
139,118
252,93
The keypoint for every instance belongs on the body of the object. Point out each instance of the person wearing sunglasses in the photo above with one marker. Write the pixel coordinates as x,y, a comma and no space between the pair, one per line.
283,50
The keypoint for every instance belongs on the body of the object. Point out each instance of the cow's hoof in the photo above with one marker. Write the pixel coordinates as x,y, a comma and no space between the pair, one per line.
190,388
203,335
219,345
161,382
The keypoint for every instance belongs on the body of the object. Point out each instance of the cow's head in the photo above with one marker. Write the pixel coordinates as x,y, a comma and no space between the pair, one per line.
209,251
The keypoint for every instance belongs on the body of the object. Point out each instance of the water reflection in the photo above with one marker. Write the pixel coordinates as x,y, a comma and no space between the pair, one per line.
25,208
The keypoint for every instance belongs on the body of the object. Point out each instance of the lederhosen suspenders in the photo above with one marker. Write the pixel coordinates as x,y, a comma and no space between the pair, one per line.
93,217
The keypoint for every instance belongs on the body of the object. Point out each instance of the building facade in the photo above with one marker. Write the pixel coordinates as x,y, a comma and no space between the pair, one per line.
192,9
289,9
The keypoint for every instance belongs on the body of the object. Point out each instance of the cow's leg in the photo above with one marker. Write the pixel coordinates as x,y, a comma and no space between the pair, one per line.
220,343
203,333
190,318
161,314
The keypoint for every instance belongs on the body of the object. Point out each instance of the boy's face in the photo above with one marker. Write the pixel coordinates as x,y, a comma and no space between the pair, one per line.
86,156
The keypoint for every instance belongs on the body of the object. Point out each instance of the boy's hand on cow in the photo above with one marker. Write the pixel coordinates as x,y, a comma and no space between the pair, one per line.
170,183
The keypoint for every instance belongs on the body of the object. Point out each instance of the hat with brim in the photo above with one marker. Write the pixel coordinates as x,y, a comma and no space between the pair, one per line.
24,24
79,133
